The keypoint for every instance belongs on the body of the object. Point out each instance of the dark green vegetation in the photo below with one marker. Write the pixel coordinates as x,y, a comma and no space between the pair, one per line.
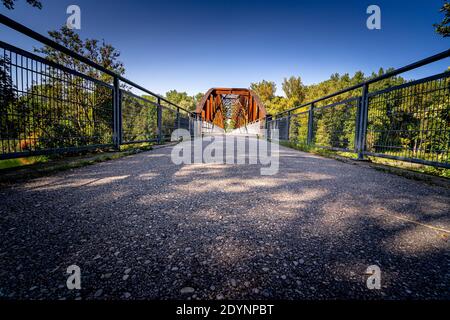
443,28
22,169
405,118
9,4
388,165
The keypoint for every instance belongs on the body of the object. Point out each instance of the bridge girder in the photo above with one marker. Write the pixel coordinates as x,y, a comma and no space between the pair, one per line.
242,106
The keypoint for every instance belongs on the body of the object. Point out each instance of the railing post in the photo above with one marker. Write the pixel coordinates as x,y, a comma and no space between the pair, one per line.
357,125
192,118
288,124
117,114
159,121
266,126
310,137
362,122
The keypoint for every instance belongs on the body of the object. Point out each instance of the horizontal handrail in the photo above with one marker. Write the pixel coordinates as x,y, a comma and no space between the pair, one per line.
410,83
38,37
52,64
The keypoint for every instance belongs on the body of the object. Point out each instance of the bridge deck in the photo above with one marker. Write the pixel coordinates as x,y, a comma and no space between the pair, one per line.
142,227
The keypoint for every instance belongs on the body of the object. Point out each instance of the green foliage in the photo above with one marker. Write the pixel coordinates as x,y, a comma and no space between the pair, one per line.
276,105
9,4
407,122
90,121
101,53
61,110
298,128
20,162
7,96
182,99
139,118
265,90
443,28
198,98
335,127
294,90
339,155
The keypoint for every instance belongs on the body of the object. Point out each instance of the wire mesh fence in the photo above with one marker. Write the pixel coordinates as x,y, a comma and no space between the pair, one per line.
139,119
184,122
46,107
411,121
408,122
335,125
298,127
282,125
169,122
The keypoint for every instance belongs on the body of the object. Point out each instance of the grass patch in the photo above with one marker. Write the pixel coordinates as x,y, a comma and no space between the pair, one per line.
22,162
434,171
22,169
19,162
139,146
420,168
317,150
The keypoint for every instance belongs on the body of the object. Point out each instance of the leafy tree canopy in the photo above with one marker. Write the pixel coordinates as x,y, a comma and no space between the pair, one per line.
294,89
443,28
182,99
264,89
101,53
9,4
297,93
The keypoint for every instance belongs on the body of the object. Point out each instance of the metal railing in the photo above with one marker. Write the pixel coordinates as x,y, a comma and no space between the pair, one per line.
408,122
49,108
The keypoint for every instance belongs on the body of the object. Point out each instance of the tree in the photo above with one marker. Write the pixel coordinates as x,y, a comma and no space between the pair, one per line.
335,127
294,89
8,129
6,87
139,118
9,4
182,99
85,105
443,28
264,89
198,97
102,53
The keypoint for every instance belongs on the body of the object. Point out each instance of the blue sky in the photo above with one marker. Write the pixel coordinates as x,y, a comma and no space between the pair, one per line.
195,45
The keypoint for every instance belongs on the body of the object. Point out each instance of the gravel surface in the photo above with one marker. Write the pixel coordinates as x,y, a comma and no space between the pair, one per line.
141,227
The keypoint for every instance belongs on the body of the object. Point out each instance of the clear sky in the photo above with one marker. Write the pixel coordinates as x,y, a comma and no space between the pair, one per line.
195,45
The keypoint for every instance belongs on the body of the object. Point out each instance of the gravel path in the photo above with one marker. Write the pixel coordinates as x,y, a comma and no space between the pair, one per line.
143,228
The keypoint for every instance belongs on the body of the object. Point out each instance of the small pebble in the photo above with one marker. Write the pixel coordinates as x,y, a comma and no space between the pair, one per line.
186,290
